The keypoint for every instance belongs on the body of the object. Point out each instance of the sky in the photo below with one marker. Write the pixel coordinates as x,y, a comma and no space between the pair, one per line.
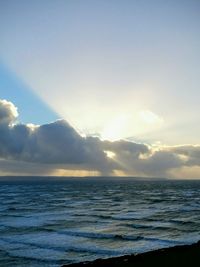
102,87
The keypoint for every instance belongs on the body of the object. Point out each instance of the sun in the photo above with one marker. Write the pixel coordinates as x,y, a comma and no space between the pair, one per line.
116,129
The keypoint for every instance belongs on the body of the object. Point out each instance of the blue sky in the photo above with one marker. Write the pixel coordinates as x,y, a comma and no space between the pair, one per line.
113,69
32,108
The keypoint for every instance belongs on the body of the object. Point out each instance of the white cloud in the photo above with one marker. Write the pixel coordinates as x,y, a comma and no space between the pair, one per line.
8,112
150,118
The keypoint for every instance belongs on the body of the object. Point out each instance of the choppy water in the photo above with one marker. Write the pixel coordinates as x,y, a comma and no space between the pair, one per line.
52,223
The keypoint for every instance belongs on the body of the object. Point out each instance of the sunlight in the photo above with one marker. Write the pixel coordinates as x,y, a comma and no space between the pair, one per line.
134,124
75,173
149,117
116,129
110,154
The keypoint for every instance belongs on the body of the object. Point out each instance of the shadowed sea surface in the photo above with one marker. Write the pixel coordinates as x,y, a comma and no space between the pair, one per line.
59,221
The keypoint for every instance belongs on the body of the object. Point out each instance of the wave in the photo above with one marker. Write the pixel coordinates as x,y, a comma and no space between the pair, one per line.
34,248
39,251
150,227
183,222
161,240
100,235
120,237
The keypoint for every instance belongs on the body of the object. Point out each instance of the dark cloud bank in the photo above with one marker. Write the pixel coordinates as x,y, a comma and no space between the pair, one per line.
40,149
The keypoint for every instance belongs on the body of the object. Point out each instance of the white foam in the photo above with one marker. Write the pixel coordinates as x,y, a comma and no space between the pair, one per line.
42,239
39,254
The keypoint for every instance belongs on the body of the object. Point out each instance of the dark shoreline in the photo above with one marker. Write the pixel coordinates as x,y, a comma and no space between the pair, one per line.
185,255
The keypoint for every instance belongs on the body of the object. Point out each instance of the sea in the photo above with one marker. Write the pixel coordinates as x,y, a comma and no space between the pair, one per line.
51,222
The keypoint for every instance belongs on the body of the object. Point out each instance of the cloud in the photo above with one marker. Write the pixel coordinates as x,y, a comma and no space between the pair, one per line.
150,118
13,167
159,163
53,143
8,112
140,159
127,154
190,154
57,147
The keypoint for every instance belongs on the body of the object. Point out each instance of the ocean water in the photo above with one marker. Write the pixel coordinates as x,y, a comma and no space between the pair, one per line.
50,223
